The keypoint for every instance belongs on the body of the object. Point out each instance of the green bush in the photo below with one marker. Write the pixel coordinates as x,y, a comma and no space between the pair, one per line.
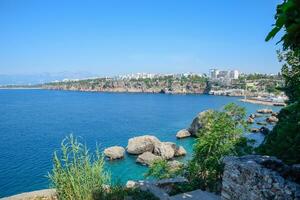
221,136
284,140
76,174
160,169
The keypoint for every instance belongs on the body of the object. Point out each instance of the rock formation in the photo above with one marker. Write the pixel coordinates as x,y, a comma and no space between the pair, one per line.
141,144
199,121
115,152
183,134
147,158
264,111
255,177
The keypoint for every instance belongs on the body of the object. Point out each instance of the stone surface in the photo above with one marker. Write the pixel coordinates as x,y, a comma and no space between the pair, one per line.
174,164
196,195
264,111
255,177
254,130
272,119
180,151
141,144
165,149
199,121
250,120
264,130
183,134
115,152
147,158
47,194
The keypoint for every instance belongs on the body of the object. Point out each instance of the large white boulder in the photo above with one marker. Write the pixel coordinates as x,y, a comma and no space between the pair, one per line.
141,144
199,122
147,158
115,152
165,149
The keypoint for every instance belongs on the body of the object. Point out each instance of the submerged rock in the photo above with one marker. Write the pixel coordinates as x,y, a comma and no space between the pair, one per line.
272,119
115,152
262,123
254,130
250,120
264,130
147,158
141,144
183,134
265,111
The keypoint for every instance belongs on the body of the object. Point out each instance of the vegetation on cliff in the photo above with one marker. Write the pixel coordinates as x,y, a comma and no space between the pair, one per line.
163,84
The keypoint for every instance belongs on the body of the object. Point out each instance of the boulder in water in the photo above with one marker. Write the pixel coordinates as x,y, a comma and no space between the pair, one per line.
199,121
183,134
272,119
265,111
147,158
115,152
141,144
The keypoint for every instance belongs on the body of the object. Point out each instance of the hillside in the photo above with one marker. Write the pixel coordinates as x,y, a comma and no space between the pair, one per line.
165,84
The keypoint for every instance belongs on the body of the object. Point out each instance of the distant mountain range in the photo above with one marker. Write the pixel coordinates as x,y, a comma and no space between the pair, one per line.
32,79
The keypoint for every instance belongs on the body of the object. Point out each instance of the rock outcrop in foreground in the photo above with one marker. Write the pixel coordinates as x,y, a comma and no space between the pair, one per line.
257,177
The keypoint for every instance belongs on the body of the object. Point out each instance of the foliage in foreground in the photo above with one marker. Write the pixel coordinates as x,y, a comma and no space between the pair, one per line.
160,169
284,140
76,174
221,137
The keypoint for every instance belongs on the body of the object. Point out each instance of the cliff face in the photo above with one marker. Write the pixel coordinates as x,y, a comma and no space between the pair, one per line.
170,85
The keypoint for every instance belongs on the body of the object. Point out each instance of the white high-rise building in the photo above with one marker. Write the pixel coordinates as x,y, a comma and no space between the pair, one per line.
214,73
234,74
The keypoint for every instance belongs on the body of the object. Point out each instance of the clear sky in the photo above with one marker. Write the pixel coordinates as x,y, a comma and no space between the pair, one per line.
125,36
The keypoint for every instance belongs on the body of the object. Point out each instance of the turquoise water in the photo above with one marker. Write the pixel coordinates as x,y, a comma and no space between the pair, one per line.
33,123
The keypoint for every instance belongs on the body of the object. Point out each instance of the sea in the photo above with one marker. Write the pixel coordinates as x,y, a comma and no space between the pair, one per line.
34,122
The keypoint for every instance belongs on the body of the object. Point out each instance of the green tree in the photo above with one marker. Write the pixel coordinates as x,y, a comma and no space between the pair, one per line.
221,136
160,169
284,140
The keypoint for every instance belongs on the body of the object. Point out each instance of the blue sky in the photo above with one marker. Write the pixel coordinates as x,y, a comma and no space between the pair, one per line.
118,37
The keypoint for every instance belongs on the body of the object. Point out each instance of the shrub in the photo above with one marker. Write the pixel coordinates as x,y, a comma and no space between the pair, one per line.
284,140
221,136
76,173
160,169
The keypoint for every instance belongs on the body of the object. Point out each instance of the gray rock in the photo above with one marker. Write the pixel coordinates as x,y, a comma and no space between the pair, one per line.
147,158
254,130
264,111
141,144
115,152
165,149
174,164
272,119
250,120
180,151
183,134
199,121
256,177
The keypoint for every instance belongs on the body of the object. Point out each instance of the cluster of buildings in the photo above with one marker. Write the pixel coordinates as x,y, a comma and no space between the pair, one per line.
151,76
216,74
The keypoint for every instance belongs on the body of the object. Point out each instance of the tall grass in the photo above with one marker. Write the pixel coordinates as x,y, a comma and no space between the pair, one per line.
76,173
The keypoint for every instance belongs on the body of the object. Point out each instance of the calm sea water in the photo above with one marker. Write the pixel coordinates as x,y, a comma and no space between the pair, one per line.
33,123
